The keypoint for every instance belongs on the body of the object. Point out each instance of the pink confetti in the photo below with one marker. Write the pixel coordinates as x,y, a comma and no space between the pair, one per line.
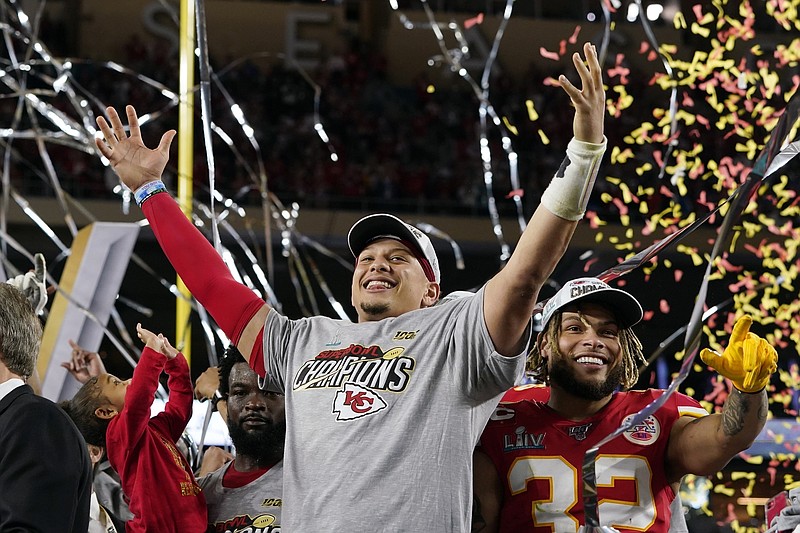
773,472
620,70
574,37
728,266
658,158
623,209
474,21
548,54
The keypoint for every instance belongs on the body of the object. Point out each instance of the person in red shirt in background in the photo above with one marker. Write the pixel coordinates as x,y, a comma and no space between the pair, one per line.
528,466
163,492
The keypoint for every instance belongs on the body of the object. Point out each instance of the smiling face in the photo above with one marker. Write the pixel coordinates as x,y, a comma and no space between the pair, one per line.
389,281
587,361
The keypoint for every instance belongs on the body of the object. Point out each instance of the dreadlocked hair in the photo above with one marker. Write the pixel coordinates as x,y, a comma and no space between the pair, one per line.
231,357
81,409
630,349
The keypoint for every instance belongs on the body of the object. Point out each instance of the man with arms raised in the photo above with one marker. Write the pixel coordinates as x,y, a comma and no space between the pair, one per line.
382,415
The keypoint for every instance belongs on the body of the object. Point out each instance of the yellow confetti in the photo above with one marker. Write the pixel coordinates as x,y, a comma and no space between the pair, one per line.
533,116
544,138
699,30
620,156
720,489
511,127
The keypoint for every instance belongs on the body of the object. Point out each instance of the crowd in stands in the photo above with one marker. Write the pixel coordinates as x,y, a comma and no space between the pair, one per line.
414,147
408,148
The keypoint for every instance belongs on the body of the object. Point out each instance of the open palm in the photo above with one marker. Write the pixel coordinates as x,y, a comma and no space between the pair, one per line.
133,162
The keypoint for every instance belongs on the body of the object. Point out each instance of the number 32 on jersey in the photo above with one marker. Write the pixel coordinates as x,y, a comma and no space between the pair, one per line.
625,496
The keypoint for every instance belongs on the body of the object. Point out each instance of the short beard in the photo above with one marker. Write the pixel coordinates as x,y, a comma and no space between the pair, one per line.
264,445
563,376
375,309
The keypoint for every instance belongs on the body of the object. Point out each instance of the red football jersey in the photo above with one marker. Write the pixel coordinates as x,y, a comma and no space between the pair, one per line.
539,455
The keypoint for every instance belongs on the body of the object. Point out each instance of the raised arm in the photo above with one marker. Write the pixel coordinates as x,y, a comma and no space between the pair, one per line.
178,411
704,446
511,295
237,310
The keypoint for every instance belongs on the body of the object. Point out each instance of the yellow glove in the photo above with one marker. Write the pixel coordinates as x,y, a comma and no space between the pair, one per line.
748,361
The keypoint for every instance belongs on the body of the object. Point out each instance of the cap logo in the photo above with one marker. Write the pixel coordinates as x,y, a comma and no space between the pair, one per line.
624,306
579,290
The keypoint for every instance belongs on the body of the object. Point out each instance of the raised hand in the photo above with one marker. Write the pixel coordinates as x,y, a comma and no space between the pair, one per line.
748,361
133,162
84,365
158,343
590,100
207,384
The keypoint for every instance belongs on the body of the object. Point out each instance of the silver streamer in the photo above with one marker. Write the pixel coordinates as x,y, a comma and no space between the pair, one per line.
673,132
58,127
486,112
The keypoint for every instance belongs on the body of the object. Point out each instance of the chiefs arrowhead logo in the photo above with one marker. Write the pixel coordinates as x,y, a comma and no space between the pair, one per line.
355,401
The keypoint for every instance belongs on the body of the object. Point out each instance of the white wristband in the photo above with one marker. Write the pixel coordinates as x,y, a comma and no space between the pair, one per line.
569,190
147,190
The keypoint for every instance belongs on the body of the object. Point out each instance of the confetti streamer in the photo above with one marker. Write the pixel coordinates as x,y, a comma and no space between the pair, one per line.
486,111
673,132
78,134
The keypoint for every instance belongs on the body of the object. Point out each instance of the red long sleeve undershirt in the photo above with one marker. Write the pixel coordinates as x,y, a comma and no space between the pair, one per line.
202,270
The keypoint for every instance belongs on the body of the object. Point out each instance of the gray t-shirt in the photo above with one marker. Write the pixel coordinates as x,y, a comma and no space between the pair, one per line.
382,417
253,507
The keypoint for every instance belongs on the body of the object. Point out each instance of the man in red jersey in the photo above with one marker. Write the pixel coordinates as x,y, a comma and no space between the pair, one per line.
528,466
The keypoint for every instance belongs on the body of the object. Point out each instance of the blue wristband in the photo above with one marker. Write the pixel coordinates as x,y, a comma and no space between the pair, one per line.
147,190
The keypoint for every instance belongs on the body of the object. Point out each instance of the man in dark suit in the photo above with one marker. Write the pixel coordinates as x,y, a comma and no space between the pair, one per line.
45,473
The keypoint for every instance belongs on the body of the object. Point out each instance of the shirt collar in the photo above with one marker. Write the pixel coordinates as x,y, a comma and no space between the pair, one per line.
7,386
